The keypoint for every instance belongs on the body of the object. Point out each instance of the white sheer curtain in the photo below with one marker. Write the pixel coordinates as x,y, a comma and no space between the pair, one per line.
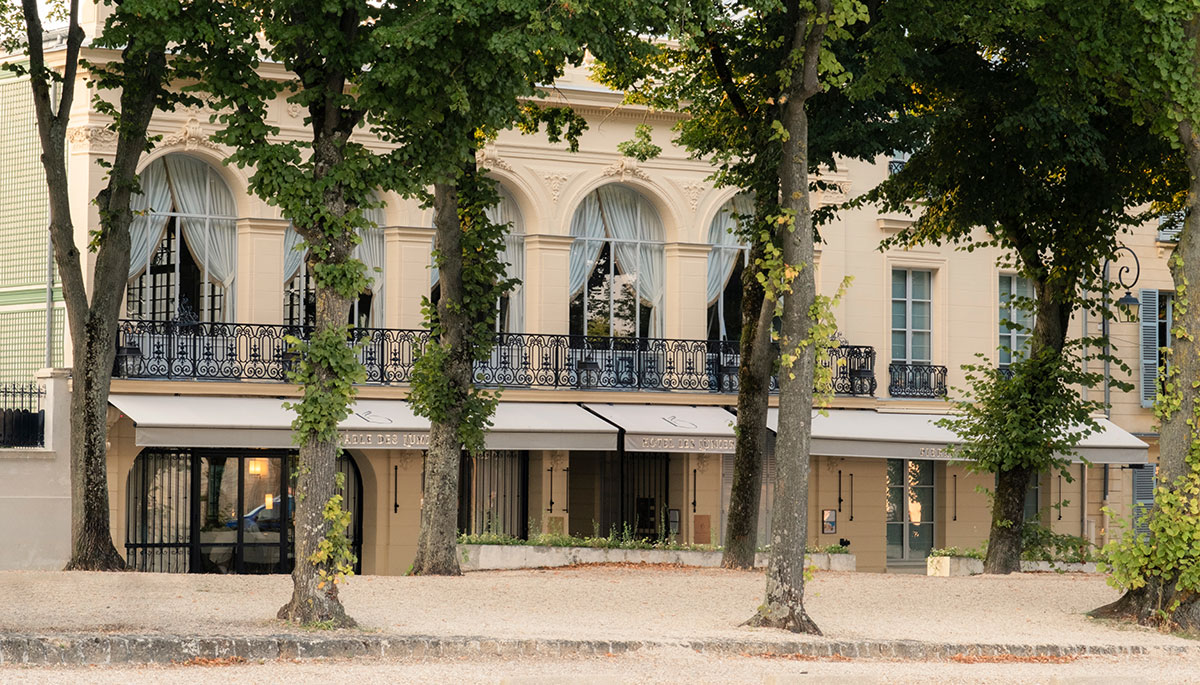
507,212
293,254
371,253
630,218
145,231
588,229
726,244
211,231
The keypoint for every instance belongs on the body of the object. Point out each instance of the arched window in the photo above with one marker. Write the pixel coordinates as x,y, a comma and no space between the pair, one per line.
510,307
183,256
616,265
726,260
300,301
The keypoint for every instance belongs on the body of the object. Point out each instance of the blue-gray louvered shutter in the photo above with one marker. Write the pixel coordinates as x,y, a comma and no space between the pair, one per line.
1170,225
1143,496
1148,335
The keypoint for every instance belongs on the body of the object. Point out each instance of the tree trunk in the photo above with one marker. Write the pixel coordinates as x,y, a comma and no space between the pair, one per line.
754,378
437,553
783,606
1049,336
1008,518
1179,433
314,595
93,323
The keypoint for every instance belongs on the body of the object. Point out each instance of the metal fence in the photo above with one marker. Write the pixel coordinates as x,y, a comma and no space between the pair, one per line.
916,380
22,418
214,351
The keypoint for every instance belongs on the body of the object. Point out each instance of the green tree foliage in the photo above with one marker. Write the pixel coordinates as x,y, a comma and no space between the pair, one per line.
137,34
1022,150
728,66
465,70
1148,52
335,63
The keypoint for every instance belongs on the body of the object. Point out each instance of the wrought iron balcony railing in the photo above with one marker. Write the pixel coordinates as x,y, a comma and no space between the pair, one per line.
916,380
215,351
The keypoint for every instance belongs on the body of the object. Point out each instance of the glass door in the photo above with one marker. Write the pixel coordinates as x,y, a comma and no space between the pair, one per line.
909,509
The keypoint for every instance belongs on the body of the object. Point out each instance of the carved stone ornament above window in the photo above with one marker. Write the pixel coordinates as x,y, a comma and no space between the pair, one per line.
488,157
554,181
692,190
190,137
627,166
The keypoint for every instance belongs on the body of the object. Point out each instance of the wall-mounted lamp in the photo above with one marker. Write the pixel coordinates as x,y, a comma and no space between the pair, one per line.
255,468
268,502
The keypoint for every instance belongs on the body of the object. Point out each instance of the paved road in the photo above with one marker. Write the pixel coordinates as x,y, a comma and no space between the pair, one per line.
670,666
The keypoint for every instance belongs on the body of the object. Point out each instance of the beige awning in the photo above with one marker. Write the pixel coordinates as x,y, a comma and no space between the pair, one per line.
208,421
671,428
868,433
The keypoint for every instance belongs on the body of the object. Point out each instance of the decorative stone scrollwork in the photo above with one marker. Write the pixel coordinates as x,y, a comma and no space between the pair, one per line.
626,167
93,136
190,137
488,157
555,182
693,191
837,192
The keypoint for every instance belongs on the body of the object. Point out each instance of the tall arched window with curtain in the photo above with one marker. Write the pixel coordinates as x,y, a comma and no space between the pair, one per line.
183,252
300,302
726,261
616,265
510,307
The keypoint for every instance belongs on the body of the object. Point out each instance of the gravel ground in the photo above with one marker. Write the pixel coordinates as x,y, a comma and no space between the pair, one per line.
604,602
661,666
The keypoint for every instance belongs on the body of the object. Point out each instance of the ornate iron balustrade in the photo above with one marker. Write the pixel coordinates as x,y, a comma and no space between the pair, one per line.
213,351
22,418
916,380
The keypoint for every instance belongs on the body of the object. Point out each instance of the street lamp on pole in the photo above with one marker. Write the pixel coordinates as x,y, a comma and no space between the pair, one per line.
1127,277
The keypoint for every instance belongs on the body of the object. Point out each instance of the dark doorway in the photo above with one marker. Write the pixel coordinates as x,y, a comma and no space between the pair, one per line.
493,493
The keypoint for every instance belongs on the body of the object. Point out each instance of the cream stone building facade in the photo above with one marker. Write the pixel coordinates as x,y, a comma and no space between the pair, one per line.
616,355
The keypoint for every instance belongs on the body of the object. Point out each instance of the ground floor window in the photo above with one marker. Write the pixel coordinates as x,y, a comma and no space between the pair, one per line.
493,493
619,493
909,509
220,511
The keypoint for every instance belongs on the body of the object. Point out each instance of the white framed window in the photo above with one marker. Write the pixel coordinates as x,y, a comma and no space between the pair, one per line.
299,297
912,316
727,259
510,307
615,280
1016,322
183,251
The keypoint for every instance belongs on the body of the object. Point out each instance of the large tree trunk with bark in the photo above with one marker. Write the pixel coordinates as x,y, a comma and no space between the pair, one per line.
314,595
1008,517
1005,543
437,553
93,322
783,606
1151,604
750,450
314,588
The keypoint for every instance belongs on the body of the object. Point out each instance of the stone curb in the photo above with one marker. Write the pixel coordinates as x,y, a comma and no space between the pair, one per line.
53,650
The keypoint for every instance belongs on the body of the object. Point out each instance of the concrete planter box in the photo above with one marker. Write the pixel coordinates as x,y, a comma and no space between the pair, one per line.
502,557
1057,567
953,566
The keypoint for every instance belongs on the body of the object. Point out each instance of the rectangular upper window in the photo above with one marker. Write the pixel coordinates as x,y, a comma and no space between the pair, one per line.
912,316
1016,320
